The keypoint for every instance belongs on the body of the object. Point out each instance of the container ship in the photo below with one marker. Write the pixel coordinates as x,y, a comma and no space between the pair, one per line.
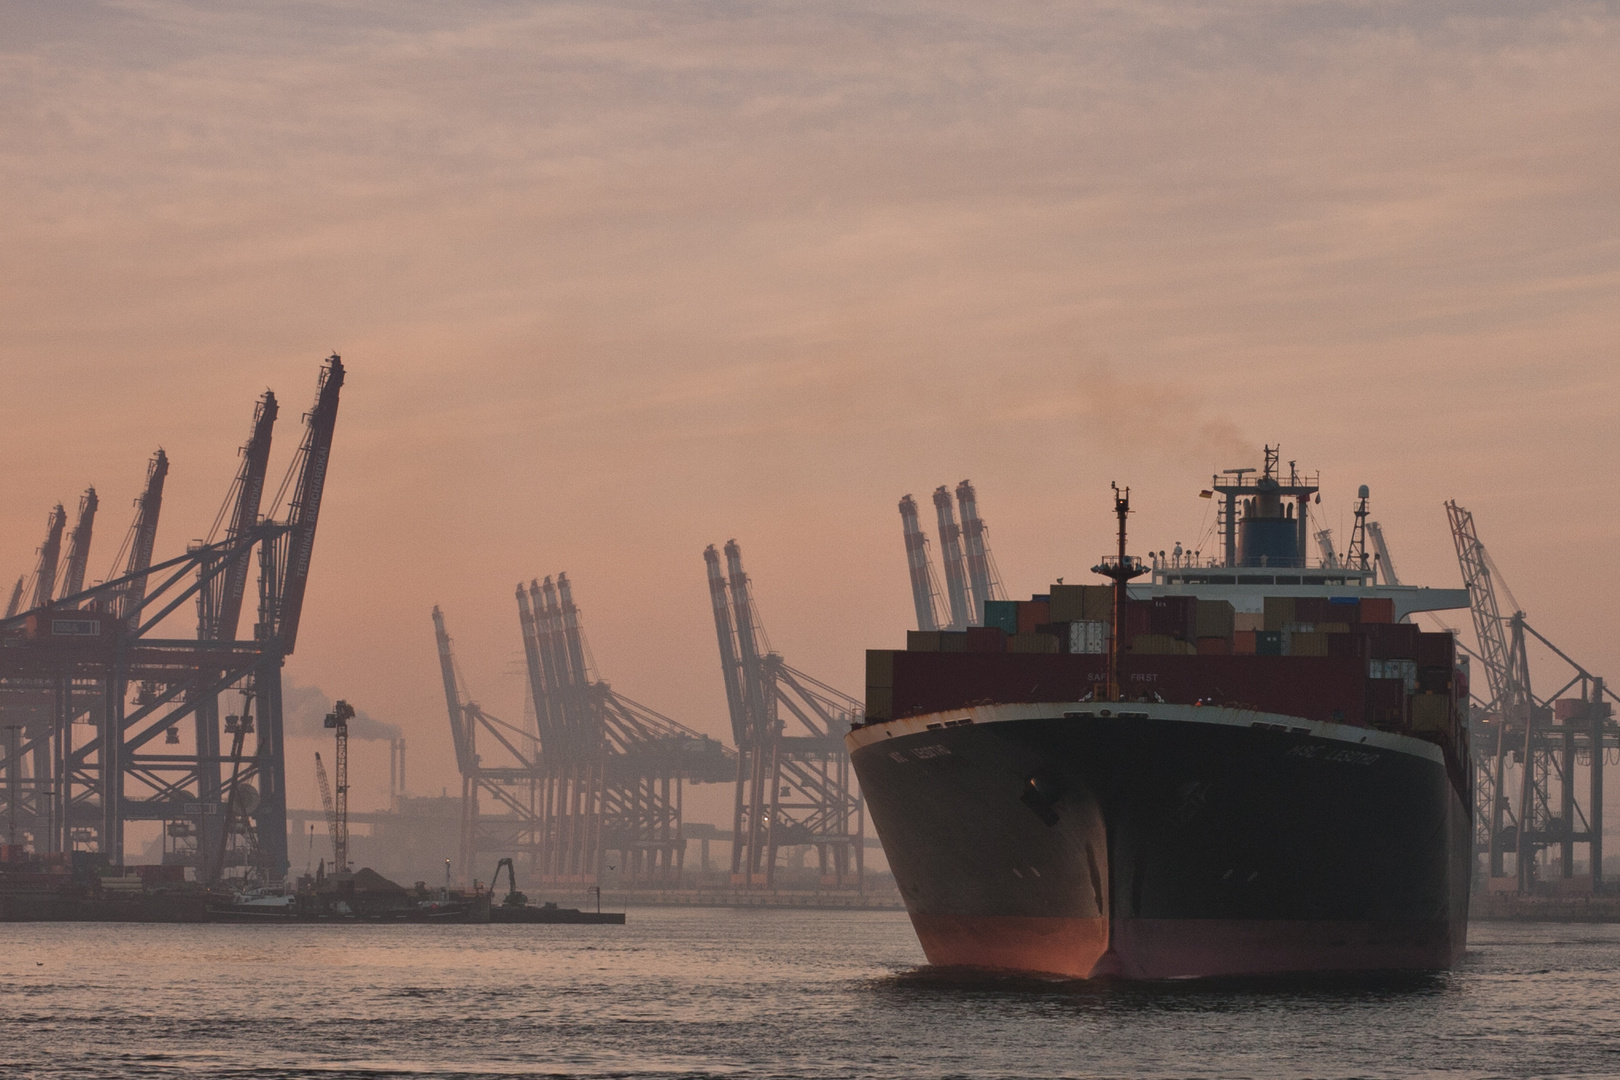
1243,764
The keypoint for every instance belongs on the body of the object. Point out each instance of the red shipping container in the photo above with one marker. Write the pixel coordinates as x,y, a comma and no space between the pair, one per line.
1340,611
1348,645
1138,618
1243,642
1032,613
1377,609
1435,650
1391,641
1215,646
986,639
1175,616
1311,609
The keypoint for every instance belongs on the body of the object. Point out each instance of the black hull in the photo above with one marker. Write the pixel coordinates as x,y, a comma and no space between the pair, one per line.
1168,842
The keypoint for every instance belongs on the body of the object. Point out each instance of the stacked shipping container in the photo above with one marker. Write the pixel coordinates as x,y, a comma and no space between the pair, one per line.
1332,659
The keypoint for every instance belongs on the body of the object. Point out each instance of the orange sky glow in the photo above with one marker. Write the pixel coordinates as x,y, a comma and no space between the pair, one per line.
614,281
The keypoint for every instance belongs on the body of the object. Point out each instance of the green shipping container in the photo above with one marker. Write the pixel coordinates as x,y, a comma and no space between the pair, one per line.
1002,614
1268,642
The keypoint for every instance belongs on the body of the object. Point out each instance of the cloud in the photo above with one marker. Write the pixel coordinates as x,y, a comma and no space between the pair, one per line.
304,710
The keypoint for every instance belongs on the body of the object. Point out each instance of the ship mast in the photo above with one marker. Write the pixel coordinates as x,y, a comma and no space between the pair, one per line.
1121,569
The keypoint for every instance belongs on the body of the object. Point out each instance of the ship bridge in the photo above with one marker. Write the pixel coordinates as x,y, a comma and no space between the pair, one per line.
1264,525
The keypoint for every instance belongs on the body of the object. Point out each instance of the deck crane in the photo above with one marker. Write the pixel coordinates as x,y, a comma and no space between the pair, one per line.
49,552
983,579
950,553
78,552
924,592
140,541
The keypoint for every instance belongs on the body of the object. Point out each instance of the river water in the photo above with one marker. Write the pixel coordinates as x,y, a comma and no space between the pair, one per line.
750,993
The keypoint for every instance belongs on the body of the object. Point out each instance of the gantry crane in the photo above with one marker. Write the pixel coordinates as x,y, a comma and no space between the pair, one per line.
598,773
791,789
105,670
1545,739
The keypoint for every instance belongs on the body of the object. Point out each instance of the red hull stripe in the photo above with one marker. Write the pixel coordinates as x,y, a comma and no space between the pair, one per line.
1181,948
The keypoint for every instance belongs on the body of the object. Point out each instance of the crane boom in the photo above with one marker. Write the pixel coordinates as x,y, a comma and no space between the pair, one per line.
924,596
49,552
982,579
78,552
749,654
1375,533
950,553
460,729
721,602
16,598
535,667
142,538
326,801
248,490
1489,626
305,510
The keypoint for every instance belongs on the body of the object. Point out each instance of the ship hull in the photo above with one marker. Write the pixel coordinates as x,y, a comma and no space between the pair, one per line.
1172,841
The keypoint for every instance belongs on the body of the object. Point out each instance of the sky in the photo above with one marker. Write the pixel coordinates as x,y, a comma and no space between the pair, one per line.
615,281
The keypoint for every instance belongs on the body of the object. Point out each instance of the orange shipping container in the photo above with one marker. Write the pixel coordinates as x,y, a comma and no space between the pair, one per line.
1033,613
